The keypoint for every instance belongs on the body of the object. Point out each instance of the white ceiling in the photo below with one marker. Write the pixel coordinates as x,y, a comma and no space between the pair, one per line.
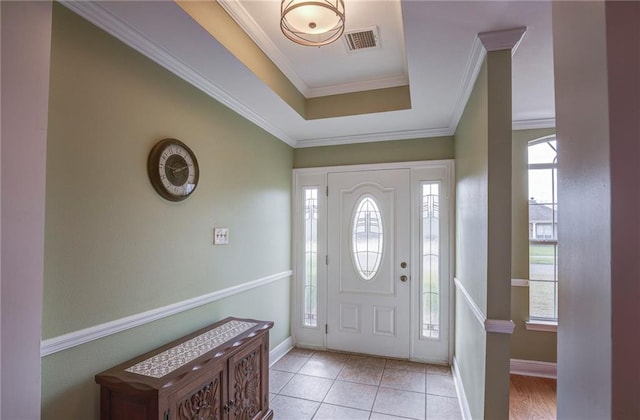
432,43
331,69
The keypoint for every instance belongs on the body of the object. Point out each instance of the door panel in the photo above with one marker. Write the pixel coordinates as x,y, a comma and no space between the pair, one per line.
368,238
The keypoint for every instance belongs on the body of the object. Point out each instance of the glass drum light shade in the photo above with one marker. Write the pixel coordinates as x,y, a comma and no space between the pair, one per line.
312,22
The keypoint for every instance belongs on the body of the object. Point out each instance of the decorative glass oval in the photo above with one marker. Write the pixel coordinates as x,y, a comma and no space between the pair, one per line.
366,237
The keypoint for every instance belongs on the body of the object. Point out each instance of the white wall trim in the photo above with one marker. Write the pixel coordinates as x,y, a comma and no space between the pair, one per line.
462,396
374,137
519,283
533,123
536,325
99,16
533,368
240,15
507,39
75,338
474,64
359,86
502,326
480,316
280,350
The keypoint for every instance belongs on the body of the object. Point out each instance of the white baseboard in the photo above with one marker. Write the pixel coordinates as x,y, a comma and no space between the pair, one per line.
280,350
533,368
462,396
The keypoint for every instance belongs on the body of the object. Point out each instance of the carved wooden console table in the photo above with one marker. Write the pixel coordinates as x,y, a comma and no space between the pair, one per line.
220,372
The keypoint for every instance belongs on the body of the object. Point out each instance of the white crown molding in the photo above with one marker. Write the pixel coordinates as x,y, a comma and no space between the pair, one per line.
280,350
100,17
534,123
76,338
374,137
359,86
519,283
507,39
462,396
240,15
533,368
474,64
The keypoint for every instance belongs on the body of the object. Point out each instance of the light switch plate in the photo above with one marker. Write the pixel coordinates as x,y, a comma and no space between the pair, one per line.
220,236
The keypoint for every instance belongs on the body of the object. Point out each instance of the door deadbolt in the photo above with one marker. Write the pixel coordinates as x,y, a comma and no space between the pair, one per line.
404,278
403,264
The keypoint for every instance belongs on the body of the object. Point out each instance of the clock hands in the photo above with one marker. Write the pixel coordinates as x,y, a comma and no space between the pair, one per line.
175,170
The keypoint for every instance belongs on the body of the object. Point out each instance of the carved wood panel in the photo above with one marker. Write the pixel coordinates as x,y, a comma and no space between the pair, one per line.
202,405
227,380
247,386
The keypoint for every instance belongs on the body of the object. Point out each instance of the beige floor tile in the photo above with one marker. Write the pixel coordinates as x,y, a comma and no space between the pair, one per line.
334,412
307,387
330,355
360,359
403,379
439,370
443,408
349,394
362,374
323,368
271,396
297,351
287,408
406,365
289,363
440,385
278,379
401,403
380,416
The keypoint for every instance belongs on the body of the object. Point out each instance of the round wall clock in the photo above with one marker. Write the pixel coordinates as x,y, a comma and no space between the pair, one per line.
173,169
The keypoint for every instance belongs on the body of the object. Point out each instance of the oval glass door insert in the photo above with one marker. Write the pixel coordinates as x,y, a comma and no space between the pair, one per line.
366,237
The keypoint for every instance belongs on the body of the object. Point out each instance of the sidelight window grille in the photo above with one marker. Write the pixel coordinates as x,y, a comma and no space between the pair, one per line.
310,257
430,260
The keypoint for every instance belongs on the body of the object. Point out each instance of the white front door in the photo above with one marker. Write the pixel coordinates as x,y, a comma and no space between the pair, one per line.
369,262
376,224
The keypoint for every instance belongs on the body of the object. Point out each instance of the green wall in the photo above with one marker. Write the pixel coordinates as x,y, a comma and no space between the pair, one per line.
471,242
113,246
432,148
526,345
483,150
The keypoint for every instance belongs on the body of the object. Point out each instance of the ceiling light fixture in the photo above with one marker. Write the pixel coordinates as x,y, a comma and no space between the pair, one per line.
312,22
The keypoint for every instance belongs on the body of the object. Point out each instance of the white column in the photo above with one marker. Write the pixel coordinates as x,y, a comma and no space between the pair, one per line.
25,46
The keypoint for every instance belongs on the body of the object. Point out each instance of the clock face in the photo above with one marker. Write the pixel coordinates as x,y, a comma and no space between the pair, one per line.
173,169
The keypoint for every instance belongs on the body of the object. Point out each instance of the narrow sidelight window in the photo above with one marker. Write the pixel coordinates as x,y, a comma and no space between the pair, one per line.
430,260
310,257
543,229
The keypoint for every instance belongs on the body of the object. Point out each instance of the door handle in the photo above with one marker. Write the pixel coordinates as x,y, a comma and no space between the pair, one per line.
404,278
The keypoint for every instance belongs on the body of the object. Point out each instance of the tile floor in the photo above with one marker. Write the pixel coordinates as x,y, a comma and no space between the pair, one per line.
321,385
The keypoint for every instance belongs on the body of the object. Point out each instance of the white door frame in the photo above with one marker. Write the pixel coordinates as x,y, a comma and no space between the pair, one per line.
314,336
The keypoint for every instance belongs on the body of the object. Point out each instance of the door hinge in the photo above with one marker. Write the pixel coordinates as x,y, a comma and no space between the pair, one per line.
327,190
326,260
326,328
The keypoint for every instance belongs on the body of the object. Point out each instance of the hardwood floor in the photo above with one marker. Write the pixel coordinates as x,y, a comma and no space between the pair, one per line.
532,398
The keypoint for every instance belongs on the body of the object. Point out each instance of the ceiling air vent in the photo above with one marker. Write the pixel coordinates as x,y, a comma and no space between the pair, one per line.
362,38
